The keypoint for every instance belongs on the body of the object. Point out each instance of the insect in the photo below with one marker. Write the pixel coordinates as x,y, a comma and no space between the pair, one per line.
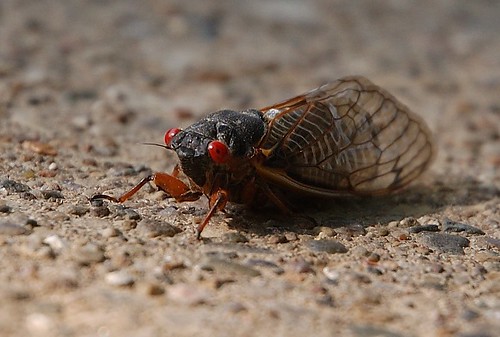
346,137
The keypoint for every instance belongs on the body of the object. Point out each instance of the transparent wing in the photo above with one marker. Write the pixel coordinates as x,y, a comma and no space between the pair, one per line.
346,136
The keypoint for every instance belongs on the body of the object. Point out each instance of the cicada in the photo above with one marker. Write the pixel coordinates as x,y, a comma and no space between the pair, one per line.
346,137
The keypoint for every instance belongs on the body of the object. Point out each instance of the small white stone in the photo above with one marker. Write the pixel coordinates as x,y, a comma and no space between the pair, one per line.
119,278
331,274
39,324
55,242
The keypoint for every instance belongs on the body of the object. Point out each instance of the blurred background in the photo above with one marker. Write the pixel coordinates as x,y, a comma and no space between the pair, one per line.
129,70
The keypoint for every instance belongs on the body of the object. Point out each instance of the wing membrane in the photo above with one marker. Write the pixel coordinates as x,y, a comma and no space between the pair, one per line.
346,136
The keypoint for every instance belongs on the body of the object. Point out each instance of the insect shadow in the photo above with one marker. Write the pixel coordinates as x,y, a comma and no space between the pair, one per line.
335,213
415,201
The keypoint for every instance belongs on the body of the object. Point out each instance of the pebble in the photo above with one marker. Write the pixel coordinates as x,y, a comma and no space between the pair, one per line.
155,228
492,266
373,331
130,214
17,294
88,254
97,202
277,238
326,300
27,196
150,289
332,274
39,324
14,187
390,265
234,307
327,246
267,264
393,224
408,222
290,236
424,228
127,225
224,255
360,278
436,268
373,258
433,281
68,278
351,230
55,242
59,216
445,243
478,333
4,208
219,282
422,250
124,213
324,231
403,237
187,294
9,228
100,211
478,271
45,252
221,266
382,231
47,173
374,270
172,264
120,258
110,232
360,251
119,278
52,194
39,147
234,237
301,266
470,315
484,256
494,242
451,226
79,210
32,223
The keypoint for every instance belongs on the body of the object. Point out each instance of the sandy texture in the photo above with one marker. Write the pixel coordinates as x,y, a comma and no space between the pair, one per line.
83,83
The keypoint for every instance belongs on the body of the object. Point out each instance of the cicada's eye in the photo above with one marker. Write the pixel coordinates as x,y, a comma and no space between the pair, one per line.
219,152
170,134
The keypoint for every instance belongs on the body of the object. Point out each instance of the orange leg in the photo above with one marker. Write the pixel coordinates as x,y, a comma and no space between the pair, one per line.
218,201
169,184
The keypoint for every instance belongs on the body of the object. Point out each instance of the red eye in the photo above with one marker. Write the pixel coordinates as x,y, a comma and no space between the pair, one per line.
170,134
218,151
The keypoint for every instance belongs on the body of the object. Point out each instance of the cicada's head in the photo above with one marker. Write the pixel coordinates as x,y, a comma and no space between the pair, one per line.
208,145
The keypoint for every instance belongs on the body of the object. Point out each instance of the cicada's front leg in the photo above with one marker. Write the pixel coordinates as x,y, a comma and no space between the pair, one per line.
217,202
169,184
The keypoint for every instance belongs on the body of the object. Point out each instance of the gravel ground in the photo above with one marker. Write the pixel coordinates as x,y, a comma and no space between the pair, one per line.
84,83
